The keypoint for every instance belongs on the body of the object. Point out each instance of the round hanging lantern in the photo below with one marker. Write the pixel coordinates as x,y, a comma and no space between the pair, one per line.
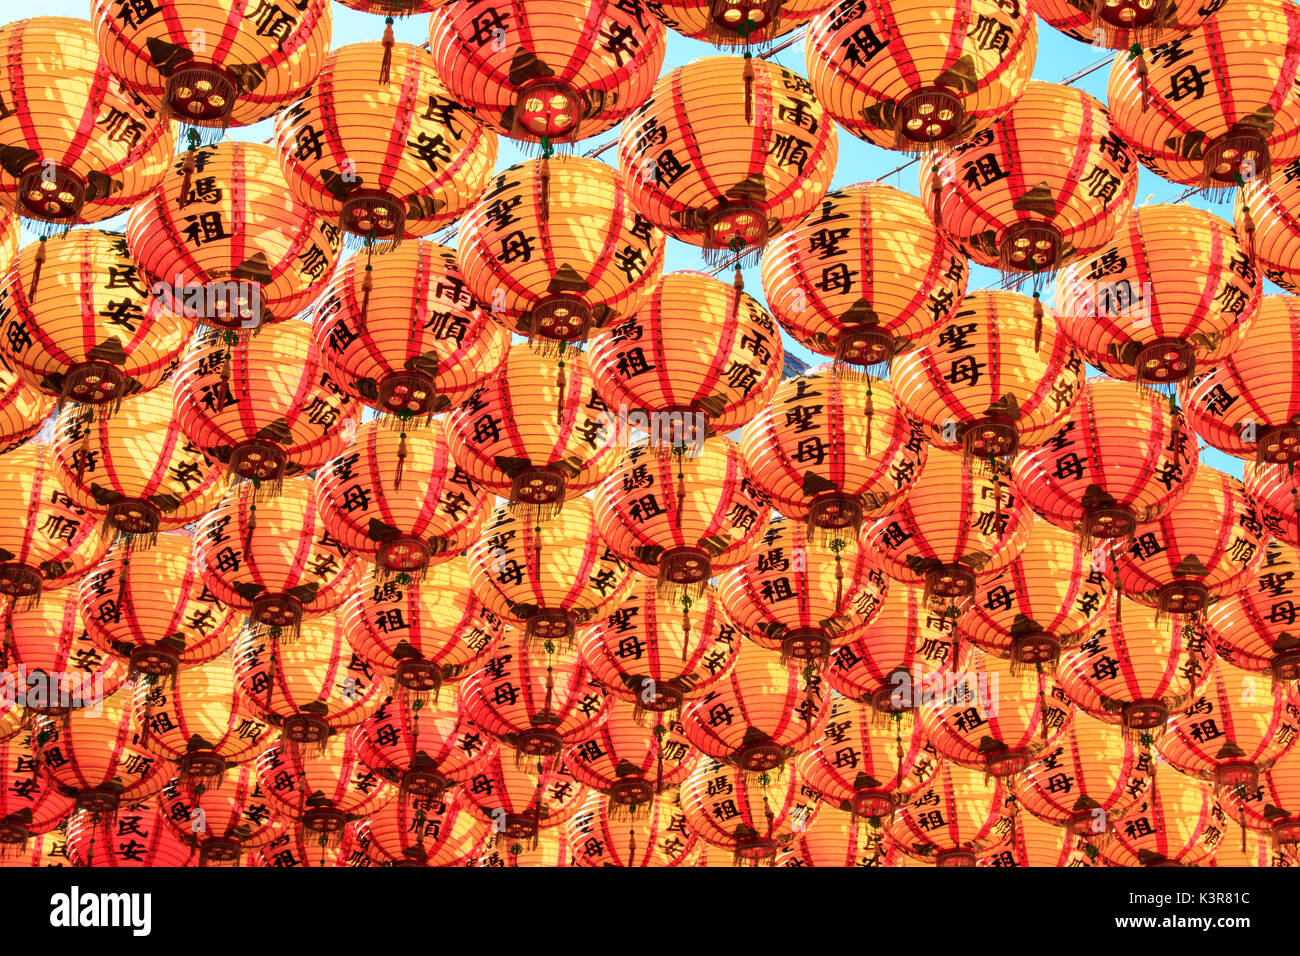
726,153
905,75
801,596
556,250
1090,776
224,242
421,832
198,721
547,574
423,747
1238,727
833,449
223,819
1043,601
51,665
80,147
264,406
1267,226
1178,823
995,379
1031,842
732,23
424,632
1205,548
46,541
138,835
859,766
960,521
210,65
275,560
1272,806
753,815
1121,460
600,835
135,470
1246,405
682,517
402,334
761,714
698,357
401,498
153,609
865,277
908,645
312,688
632,761
522,800
29,804
995,717
1050,182
537,696
506,438
1214,107
95,756
79,323
1118,24
1137,668
657,652
23,410
553,74
953,820
1172,291
387,160
1252,629
46,850
321,792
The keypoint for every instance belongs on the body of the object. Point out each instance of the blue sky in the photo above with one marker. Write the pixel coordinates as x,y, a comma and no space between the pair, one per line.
1058,57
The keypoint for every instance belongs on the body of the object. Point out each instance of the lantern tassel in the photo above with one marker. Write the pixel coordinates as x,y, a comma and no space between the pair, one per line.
367,282
386,64
250,528
686,624
1038,322
1135,52
749,89
936,197
36,270
544,186
1249,230
401,462
869,410
561,381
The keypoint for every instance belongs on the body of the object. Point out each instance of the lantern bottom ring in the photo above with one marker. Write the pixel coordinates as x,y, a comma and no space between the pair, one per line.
734,226
539,742
277,610
421,676
806,644
20,581
1129,14
135,516
873,804
549,626
1165,361
990,437
99,800
520,826
1227,155
1006,763
423,782
1286,832
406,554
1278,445
1031,246
93,382
760,758
257,460
409,395
548,109
372,213
685,566
1183,597
1236,774
950,581
201,94
543,485
656,697
1286,666
201,765
631,792
219,850
755,848
883,700
305,729
960,857
155,660
1089,823
929,117
51,193
1144,715
1036,647
12,833
727,18
558,318
324,820
835,511
862,346
1113,521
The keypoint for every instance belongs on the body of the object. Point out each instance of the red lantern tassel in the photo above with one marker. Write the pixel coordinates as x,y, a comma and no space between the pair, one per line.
386,64
401,462
250,528
561,382
1249,229
936,197
749,89
869,410
187,179
544,187
36,271
1143,81
1038,322
366,283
